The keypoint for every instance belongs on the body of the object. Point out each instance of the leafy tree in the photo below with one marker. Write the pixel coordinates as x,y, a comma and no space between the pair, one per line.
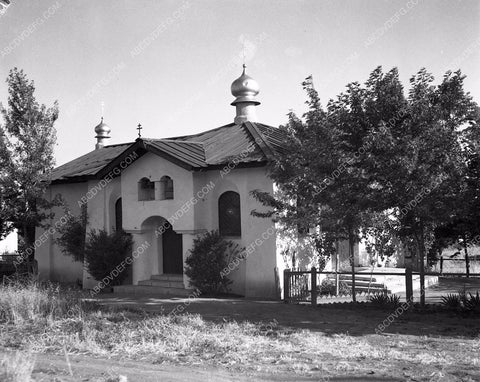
27,140
424,166
104,252
374,151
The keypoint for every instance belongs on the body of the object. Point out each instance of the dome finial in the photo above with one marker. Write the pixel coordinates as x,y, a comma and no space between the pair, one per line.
103,133
245,89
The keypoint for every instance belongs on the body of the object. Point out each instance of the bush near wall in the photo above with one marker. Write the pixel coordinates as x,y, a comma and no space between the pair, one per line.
104,252
209,258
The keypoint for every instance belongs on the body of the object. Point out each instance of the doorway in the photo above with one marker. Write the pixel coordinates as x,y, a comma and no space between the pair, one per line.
172,252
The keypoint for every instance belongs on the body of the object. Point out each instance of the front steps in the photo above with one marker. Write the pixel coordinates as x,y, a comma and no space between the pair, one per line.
363,283
157,285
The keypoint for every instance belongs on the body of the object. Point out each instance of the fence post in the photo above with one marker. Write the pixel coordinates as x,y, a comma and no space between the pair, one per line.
441,264
286,285
314,286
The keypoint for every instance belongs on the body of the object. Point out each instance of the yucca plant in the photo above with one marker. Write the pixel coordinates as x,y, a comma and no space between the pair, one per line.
384,300
452,300
472,303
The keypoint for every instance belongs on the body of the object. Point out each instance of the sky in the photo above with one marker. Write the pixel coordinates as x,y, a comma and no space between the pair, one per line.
169,64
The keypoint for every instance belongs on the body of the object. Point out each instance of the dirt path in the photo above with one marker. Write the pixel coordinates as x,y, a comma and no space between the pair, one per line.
52,368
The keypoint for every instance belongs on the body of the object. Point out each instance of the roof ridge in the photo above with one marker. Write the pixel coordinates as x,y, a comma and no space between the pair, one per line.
260,139
173,140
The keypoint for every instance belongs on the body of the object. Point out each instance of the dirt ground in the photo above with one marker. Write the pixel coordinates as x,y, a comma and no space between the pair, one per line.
445,346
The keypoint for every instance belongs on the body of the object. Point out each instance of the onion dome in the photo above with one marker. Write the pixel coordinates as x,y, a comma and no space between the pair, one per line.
102,129
245,88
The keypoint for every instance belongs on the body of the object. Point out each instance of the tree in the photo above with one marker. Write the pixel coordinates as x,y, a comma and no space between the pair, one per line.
375,151
322,169
27,140
425,167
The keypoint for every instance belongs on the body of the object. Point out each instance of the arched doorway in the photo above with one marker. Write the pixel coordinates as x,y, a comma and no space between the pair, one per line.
172,251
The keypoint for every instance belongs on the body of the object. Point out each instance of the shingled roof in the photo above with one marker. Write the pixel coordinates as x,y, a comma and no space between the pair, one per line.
249,144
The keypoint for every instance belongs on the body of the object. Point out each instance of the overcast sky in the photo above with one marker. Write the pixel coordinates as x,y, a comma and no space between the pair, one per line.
169,64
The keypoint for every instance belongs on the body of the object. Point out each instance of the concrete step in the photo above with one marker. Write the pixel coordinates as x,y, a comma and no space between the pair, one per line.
152,290
371,290
362,282
163,283
357,277
167,277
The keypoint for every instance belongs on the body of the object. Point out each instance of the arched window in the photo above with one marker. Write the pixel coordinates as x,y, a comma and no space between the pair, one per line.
146,189
118,215
229,220
166,187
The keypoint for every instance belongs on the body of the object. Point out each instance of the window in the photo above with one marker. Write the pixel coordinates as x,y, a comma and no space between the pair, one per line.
229,221
118,215
146,189
166,188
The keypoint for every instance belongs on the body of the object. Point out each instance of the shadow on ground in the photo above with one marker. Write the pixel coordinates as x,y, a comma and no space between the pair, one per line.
335,318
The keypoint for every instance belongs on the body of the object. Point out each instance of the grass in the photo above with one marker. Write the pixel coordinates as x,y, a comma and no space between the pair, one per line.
45,319
16,367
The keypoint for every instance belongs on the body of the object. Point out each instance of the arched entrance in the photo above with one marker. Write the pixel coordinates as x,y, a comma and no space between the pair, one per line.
172,251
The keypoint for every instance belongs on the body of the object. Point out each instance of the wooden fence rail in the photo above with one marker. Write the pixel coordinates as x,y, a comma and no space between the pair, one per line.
302,286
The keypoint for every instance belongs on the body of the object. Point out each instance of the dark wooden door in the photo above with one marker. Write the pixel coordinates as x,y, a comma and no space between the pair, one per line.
172,252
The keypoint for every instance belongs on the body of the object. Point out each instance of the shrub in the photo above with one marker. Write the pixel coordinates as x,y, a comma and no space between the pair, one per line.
207,264
385,300
328,287
452,300
104,252
72,235
472,303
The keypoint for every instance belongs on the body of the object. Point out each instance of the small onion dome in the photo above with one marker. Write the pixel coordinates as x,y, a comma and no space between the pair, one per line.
102,129
245,88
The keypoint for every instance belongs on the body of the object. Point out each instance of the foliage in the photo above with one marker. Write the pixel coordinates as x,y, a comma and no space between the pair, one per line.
462,302
472,303
328,287
73,234
452,300
207,266
375,151
104,252
385,300
27,141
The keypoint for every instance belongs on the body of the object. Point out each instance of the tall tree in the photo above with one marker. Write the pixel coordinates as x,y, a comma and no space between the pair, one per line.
427,159
27,140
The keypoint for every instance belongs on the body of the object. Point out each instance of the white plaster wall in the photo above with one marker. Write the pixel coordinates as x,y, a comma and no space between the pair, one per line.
101,197
255,276
52,263
153,167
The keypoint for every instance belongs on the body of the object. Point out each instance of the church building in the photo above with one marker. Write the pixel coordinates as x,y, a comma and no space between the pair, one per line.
165,192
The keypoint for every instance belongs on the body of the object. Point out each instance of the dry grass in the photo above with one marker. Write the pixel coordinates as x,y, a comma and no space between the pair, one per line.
16,367
38,319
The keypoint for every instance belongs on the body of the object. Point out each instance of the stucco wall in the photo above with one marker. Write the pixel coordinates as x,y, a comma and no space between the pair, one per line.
52,263
151,166
255,276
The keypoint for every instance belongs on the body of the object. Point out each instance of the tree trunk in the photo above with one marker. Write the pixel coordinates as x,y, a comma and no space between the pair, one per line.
351,244
467,259
337,276
421,252
408,276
